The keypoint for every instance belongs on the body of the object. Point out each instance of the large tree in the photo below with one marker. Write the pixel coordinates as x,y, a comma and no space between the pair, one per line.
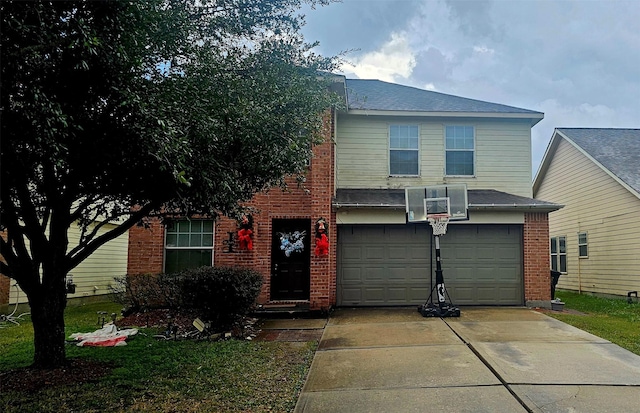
188,105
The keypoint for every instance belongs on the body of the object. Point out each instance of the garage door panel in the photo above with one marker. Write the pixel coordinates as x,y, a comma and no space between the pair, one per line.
375,252
373,274
351,275
397,252
351,252
482,264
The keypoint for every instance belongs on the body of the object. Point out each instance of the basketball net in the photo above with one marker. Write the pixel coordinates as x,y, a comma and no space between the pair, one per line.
439,223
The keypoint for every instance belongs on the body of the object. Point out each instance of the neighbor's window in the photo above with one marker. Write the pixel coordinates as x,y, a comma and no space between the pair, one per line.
559,254
403,150
188,244
460,150
583,250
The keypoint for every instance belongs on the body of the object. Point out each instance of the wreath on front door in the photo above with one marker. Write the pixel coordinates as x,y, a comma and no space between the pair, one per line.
292,242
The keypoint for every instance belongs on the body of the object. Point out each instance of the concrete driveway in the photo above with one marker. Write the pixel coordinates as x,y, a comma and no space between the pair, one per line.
488,360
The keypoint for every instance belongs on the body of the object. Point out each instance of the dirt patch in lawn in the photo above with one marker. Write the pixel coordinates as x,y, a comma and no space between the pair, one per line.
77,371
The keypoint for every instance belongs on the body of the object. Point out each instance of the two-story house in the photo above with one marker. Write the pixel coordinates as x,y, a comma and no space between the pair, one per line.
389,137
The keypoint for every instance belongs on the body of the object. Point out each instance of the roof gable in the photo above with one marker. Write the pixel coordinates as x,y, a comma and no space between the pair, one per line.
375,95
616,151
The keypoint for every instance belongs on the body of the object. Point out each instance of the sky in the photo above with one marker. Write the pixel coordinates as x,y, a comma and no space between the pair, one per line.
578,62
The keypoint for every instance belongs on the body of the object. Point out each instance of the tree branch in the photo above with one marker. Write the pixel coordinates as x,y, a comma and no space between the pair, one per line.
89,248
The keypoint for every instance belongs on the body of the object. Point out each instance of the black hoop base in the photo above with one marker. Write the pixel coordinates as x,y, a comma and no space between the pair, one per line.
432,310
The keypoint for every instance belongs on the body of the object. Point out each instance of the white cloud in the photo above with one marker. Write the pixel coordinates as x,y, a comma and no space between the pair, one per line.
394,59
483,50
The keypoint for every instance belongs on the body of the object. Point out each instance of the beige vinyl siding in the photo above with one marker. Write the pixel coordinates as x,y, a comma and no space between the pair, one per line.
597,204
502,154
98,270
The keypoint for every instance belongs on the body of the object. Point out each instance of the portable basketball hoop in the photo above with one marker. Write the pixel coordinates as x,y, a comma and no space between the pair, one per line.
437,205
438,223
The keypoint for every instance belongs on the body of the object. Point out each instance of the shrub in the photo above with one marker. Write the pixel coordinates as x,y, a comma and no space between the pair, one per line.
221,294
138,292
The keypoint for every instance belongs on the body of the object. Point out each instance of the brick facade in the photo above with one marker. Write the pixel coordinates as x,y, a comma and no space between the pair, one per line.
5,285
537,277
312,201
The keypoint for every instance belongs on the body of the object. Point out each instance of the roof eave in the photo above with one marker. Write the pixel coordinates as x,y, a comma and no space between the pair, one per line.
472,207
533,117
512,207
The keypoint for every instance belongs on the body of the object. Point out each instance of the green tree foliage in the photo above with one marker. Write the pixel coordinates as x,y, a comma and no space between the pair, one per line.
189,105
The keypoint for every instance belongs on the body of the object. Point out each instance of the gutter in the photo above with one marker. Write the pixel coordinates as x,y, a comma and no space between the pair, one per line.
540,207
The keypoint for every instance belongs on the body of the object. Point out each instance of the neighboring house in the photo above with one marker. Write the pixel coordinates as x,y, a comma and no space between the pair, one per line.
595,241
389,137
92,277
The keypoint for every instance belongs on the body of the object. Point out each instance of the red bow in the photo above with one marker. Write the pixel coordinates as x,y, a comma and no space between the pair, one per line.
244,239
322,245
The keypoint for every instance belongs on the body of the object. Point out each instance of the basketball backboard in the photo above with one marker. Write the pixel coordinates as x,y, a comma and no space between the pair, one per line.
422,201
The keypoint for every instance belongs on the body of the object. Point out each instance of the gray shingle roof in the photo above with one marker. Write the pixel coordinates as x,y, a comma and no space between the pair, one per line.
618,150
478,199
378,95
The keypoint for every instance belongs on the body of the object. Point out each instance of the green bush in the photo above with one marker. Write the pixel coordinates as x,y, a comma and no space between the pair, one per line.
220,294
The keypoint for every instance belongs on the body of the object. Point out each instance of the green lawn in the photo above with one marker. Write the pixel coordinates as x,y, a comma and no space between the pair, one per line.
163,376
612,319
226,376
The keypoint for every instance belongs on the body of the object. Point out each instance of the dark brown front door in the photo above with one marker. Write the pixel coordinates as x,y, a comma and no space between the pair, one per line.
290,259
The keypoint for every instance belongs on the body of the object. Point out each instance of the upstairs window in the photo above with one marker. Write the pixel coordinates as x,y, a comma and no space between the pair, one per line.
583,249
559,254
188,244
404,150
460,150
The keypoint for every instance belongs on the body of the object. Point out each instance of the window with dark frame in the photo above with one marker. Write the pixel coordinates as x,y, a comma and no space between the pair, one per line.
559,254
583,249
404,150
188,244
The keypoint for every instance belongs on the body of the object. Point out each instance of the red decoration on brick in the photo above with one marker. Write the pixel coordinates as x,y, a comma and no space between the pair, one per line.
322,240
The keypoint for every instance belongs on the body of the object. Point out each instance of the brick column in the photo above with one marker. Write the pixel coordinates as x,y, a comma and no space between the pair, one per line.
537,277
146,249
323,269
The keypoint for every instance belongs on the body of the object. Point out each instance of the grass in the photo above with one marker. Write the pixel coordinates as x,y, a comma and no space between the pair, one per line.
612,319
163,376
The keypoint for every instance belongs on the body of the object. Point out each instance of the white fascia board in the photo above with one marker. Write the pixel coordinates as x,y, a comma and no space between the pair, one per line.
534,117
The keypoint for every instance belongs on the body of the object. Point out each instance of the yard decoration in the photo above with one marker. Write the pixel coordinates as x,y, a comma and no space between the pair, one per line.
245,241
322,239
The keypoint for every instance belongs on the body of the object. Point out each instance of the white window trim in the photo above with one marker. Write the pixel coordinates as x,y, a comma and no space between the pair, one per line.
389,149
585,244
166,247
444,144
557,254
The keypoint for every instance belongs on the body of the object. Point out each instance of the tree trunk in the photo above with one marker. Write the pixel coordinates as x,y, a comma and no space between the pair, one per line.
47,314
